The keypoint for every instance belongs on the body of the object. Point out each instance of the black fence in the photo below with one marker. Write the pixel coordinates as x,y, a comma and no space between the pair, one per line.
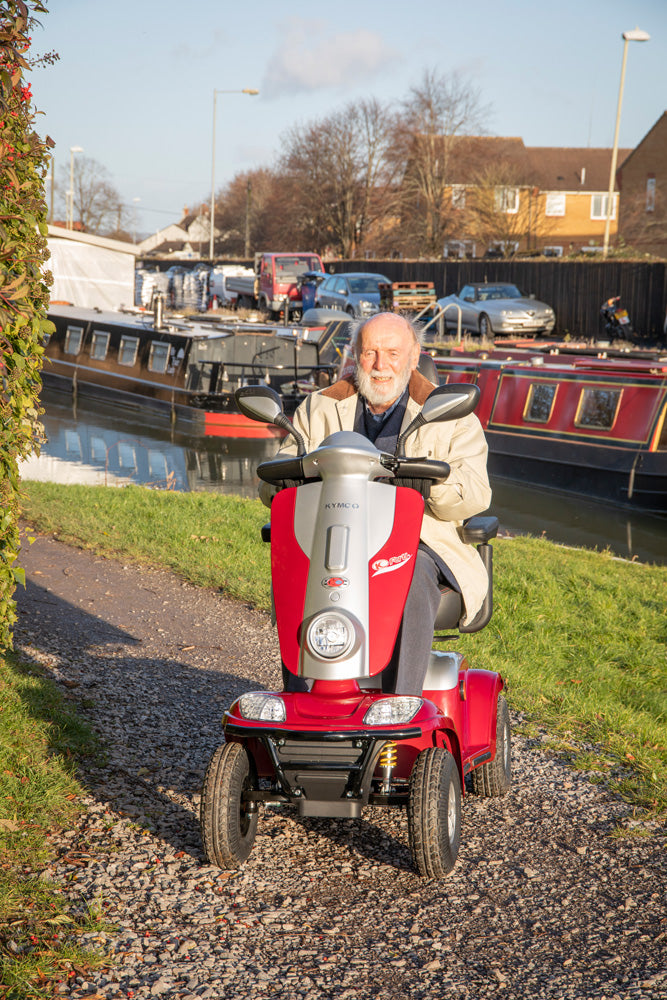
575,289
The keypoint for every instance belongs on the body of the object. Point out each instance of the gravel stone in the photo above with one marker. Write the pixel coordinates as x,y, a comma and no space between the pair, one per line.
546,900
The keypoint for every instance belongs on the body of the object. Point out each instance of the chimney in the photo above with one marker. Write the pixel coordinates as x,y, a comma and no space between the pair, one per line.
583,175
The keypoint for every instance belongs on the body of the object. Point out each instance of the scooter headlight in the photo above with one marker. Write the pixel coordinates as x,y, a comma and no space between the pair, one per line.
262,706
392,711
330,635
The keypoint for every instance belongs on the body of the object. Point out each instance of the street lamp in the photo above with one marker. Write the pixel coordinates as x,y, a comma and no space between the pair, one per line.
246,90
70,193
636,35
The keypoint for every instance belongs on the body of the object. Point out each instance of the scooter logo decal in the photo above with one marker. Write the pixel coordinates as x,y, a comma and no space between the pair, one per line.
335,581
389,565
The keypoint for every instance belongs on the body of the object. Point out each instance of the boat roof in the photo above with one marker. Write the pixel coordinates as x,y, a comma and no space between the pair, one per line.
137,321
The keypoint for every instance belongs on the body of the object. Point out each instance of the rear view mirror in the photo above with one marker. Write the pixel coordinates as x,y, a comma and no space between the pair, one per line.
446,402
450,402
259,402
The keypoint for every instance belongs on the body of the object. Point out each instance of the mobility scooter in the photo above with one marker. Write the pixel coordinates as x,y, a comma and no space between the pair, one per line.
343,546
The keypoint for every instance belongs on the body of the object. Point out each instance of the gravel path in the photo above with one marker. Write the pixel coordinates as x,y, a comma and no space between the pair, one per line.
545,901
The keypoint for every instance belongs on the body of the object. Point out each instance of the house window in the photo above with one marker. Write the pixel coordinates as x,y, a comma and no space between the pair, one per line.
598,408
73,339
127,352
540,402
507,200
458,196
553,251
650,194
99,344
599,204
158,357
555,203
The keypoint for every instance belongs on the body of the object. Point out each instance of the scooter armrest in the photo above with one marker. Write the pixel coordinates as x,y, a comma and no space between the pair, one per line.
479,530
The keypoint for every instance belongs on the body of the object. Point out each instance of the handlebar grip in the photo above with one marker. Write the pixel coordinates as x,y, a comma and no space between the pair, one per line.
421,468
280,468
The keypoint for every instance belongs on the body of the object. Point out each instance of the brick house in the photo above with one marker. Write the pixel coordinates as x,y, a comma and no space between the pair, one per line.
521,198
642,181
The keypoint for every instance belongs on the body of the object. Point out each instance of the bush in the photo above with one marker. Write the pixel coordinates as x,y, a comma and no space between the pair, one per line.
24,289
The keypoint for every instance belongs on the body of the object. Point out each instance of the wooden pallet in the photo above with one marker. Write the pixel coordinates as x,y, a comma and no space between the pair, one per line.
408,295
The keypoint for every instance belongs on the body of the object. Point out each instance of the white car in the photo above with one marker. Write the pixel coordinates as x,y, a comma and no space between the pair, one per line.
497,307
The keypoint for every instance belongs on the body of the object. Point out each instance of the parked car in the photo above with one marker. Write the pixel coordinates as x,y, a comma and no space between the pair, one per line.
489,308
356,293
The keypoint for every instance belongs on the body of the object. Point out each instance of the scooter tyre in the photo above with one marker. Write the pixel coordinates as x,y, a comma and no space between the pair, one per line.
494,779
228,828
434,813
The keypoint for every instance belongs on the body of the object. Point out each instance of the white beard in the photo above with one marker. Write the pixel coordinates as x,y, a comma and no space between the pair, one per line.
389,392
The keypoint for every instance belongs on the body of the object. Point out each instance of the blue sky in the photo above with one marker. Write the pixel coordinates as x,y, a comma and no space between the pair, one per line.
134,84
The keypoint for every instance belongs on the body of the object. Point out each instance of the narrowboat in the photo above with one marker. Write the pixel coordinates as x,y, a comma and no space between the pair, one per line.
183,371
592,426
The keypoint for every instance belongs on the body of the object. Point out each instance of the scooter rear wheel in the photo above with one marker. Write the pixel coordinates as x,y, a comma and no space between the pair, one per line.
434,812
228,826
494,779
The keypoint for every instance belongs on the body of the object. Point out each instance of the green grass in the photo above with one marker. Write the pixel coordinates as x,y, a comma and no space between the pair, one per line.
579,636
39,741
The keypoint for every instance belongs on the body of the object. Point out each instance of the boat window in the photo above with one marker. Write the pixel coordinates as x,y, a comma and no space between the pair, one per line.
127,352
73,339
127,456
598,408
98,450
158,357
99,344
540,402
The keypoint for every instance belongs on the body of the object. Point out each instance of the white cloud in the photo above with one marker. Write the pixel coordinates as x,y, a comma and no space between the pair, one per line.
309,58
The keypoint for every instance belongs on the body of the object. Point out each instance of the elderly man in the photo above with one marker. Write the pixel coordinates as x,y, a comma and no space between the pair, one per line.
379,401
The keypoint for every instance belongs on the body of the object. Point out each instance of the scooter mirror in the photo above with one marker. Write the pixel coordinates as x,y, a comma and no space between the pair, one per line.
450,402
445,402
259,402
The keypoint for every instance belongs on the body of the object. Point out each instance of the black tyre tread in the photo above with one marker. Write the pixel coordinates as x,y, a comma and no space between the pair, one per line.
489,327
491,780
225,843
432,852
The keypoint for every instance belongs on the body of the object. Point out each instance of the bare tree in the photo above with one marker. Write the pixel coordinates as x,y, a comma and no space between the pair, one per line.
97,205
506,211
434,115
337,165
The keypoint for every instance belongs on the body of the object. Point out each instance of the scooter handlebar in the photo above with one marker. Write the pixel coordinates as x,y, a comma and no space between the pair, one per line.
417,468
279,469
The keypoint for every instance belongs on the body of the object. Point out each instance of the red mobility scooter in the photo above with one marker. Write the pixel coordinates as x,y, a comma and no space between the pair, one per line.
343,546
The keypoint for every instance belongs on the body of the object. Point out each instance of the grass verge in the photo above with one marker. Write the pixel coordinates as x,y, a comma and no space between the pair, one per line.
580,636
39,741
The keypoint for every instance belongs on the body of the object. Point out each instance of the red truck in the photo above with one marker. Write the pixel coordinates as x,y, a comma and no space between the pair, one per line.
275,280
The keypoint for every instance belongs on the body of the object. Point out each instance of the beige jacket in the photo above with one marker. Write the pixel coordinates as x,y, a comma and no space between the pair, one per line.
461,443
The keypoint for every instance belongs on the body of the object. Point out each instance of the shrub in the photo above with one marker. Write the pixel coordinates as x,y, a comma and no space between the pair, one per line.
24,289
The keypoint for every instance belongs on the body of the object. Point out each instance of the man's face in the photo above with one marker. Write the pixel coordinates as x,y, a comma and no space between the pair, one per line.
386,357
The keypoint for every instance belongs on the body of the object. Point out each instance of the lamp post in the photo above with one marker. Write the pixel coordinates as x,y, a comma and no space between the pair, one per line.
246,90
70,193
636,35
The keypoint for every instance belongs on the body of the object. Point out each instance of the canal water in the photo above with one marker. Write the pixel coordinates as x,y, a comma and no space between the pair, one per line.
100,445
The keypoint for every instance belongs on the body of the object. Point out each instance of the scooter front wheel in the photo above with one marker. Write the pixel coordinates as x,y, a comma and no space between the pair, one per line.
434,812
228,824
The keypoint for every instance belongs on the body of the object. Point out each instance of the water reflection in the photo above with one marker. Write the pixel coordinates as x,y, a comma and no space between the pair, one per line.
99,445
